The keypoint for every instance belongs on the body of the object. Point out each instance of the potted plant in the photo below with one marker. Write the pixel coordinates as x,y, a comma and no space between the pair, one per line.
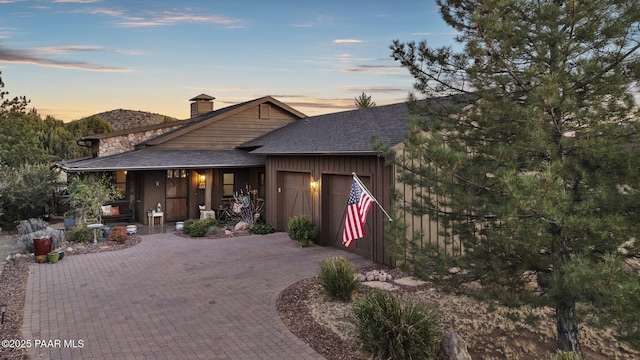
53,256
302,230
69,219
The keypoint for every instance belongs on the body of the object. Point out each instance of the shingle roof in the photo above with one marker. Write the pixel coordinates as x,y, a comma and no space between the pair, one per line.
347,132
343,132
147,159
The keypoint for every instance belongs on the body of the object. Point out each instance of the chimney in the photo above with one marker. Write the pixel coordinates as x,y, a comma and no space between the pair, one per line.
201,104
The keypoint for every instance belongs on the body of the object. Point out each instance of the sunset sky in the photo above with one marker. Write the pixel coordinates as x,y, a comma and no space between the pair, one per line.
75,58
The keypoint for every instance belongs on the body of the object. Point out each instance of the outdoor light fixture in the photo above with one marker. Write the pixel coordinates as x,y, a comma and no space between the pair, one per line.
314,184
201,181
3,309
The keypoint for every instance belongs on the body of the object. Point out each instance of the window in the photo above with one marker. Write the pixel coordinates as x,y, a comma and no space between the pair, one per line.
177,173
228,184
121,182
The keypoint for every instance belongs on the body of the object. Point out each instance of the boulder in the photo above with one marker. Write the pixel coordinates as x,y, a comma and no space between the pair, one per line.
241,226
453,347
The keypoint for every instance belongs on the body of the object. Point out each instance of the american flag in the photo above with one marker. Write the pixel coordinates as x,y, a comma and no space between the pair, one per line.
357,208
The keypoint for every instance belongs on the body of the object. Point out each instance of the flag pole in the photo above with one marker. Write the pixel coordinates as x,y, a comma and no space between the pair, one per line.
356,178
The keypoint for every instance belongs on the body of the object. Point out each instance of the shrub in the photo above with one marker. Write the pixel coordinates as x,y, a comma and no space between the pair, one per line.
262,228
214,230
338,277
118,234
564,355
81,234
26,190
392,330
199,228
25,240
301,228
87,196
31,225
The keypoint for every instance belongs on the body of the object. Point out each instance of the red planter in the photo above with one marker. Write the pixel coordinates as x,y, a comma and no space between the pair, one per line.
41,247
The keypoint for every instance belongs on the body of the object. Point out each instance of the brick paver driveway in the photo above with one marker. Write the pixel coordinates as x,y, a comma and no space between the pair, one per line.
171,298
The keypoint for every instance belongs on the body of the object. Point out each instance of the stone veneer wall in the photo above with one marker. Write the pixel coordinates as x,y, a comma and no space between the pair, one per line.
120,144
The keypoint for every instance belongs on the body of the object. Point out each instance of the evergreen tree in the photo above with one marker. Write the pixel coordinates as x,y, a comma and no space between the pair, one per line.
533,168
364,101
17,104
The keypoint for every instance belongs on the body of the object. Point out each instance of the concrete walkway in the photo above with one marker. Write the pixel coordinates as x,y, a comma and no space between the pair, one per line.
171,298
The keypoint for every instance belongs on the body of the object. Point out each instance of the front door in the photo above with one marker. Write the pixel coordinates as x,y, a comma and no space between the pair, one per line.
177,192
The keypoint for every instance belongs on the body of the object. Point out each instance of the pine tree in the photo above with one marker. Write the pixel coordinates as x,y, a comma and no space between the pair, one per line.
532,162
364,101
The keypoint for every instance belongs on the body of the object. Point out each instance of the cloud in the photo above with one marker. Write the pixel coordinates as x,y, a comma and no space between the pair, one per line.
163,18
375,89
371,68
77,1
38,57
323,104
108,12
346,41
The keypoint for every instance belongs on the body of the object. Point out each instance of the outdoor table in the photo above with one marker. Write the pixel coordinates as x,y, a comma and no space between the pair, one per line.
153,215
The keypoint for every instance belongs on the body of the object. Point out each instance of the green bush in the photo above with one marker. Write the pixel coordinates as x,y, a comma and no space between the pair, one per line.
81,234
338,277
301,228
199,228
26,189
390,329
262,228
564,355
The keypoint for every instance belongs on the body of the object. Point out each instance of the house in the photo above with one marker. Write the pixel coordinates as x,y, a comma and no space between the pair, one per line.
299,165
181,165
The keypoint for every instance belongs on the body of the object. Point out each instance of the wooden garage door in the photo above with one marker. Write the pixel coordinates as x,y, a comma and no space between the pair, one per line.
294,197
336,189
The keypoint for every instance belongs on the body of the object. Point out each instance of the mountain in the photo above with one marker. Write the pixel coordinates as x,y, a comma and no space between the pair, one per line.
127,119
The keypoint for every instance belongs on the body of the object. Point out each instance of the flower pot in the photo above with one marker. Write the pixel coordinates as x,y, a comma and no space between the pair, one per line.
106,232
61,252
69,223
41,247
303,242
53,257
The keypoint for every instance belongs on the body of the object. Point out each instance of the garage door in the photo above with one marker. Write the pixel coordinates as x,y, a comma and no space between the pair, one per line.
294,197
336,190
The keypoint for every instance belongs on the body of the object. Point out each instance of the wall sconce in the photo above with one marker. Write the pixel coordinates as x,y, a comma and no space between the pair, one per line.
314,185
201,181
3,309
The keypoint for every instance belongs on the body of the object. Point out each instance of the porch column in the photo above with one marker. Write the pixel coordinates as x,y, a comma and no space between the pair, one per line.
208,187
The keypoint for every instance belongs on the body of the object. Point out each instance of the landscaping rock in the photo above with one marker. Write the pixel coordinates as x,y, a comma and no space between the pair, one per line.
410,281
242,225
453,347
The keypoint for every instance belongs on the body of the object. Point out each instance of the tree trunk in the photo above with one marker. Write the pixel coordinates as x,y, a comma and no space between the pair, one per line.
568,336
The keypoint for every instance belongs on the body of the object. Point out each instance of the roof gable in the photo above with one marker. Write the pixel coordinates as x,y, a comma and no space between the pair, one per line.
202,121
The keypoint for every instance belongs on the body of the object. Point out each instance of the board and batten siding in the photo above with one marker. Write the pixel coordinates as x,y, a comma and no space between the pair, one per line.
371,169
229,132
